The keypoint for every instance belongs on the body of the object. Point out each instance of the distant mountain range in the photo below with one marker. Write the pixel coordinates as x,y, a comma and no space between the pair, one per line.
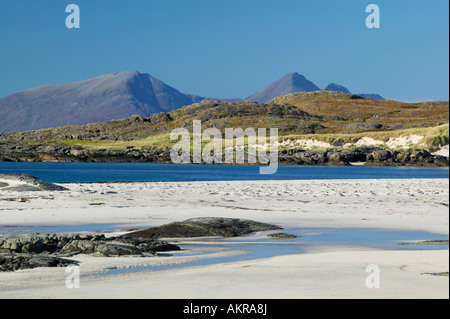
340,88
117,96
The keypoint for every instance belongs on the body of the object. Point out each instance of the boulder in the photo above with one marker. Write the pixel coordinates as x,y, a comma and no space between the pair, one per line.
29,183
204,227
13,262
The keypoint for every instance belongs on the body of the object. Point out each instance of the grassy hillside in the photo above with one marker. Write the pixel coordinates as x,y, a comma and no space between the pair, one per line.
432,139
346,113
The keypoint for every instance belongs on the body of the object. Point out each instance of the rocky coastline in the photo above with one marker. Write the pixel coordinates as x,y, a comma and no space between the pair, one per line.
370,156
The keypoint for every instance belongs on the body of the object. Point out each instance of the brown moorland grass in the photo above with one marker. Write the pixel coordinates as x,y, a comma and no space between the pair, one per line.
332,117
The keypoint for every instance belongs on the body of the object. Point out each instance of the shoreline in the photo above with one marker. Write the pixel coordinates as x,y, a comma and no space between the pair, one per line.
102,173
408,204
370,155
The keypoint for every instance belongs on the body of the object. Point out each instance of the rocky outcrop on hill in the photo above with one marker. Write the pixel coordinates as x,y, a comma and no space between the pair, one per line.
31,251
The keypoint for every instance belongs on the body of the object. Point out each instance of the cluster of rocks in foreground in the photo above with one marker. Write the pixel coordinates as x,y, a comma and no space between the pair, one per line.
50,250
370,155
30,251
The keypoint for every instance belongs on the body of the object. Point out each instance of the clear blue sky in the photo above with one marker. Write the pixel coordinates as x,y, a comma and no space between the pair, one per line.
230,48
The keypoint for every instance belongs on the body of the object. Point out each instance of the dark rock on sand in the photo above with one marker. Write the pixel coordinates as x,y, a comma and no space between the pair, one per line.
438,274
428,242
30,251
81,244
434,242
29,183
283,236
12,262
204,227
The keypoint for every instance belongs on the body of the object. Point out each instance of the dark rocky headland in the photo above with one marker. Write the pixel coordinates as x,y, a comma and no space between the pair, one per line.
372,156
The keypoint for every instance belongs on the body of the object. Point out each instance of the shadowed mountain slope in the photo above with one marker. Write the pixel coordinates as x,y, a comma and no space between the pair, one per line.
108,97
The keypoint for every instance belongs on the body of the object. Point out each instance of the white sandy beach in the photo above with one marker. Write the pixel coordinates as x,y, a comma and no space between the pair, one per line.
321,272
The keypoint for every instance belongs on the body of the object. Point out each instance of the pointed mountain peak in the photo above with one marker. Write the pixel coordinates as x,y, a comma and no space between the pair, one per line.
121,75
293,77
128,73
296,75
291,83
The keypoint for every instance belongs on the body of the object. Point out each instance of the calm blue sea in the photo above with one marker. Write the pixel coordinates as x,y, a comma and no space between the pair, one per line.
151,172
